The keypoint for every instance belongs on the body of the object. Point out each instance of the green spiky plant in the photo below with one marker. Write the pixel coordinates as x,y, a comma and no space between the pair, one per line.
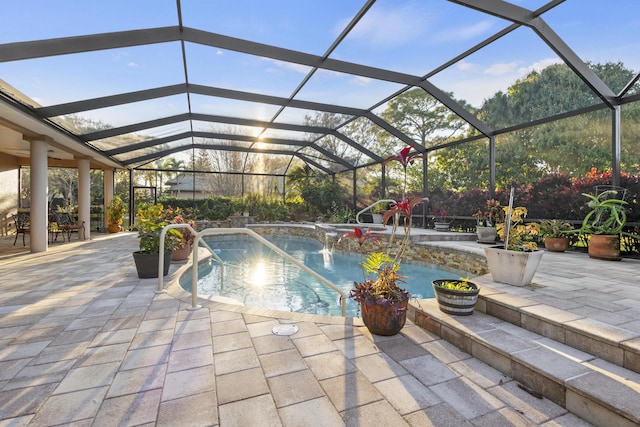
607,215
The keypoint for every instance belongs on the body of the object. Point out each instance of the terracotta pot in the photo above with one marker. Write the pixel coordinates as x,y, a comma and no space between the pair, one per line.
605,246
114,228
182,253
556,244
452,301
384,320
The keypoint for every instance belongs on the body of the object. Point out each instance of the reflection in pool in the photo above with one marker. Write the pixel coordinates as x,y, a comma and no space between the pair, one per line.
257,277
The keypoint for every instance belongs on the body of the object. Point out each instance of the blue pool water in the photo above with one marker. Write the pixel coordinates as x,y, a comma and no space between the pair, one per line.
257,277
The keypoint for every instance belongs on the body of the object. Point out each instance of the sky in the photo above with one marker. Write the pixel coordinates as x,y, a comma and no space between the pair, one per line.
408,36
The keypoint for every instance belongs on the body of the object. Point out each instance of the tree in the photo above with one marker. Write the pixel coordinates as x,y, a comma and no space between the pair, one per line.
63,183
423,118
331,143
571,146
320,192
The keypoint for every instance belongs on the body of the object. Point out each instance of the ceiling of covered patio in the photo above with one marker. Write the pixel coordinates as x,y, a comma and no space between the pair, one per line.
130,83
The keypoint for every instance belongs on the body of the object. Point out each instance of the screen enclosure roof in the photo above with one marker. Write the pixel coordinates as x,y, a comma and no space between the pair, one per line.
130,83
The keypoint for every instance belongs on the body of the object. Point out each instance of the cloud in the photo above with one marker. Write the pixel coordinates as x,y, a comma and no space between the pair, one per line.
287,66
360,81
389,28
474,84
120,56
465,32
539,65
132,65
466,66
499,69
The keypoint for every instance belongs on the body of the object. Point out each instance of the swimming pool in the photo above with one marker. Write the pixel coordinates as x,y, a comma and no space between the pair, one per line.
257,277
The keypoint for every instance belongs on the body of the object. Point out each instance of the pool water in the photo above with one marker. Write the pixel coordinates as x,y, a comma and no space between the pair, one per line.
257,277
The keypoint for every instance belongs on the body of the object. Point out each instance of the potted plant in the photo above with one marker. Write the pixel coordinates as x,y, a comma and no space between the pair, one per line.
555,234
383,301
151,219
115,214
456,296
516,262
185,247
486,221
377,211
604,223
440,222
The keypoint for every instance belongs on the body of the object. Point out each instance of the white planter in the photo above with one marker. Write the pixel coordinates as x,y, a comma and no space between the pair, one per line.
486,234
441,226
512,267
377,218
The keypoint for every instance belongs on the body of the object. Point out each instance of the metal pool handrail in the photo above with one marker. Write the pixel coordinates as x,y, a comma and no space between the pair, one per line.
254,235
194,275
371,206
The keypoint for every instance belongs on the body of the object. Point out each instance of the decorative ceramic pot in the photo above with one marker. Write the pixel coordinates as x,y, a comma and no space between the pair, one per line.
512,267
384,320
556,244
454,301
605,246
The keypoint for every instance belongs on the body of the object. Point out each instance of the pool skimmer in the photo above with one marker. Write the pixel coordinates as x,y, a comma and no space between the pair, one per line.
285,329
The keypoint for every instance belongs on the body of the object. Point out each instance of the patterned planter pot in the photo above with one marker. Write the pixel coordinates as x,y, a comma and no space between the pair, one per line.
453,301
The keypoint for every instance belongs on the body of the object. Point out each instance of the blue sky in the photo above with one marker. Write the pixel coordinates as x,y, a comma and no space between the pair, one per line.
408,36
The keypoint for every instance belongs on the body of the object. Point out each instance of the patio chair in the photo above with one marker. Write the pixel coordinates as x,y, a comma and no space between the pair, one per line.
67,225
21,221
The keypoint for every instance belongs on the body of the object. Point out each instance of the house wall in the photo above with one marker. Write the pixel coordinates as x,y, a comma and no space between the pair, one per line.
9,175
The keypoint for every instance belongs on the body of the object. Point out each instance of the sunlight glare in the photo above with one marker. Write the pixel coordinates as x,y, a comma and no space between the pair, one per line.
259,274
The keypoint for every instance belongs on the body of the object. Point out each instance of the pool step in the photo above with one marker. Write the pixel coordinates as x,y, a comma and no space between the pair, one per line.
599,391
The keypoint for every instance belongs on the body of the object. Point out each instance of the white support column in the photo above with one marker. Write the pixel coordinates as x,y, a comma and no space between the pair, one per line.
84,196
108,186
39,195
108,193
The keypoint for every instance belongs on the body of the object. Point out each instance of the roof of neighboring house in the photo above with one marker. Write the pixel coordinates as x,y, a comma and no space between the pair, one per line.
186,183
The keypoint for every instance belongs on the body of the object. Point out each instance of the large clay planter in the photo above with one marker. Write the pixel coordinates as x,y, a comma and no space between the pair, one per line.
556,244
458,302
384,320
512,267
147,264
605,246
114,228
486,234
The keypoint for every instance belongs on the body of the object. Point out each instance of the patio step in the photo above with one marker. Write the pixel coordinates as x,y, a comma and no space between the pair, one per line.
612,343
599,391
